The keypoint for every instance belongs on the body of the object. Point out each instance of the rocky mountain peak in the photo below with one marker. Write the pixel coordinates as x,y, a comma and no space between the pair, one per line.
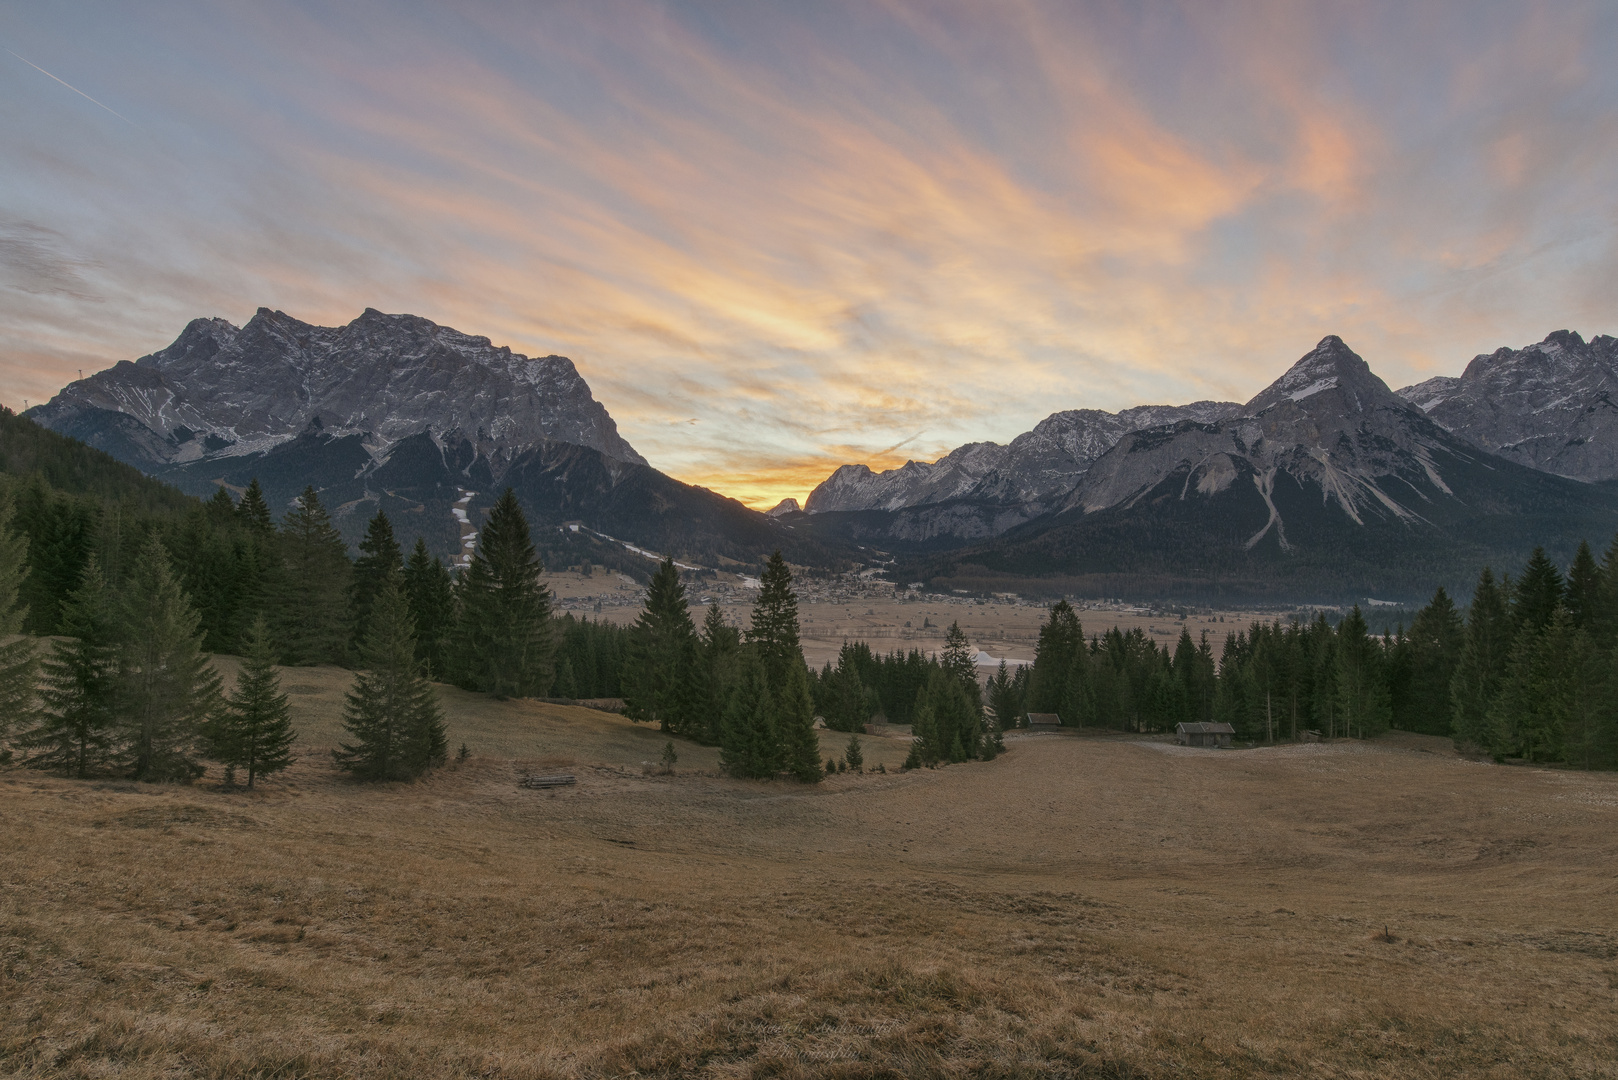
383,377
1331,369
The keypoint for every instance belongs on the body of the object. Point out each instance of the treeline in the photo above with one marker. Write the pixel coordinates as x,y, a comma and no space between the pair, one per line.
1529,670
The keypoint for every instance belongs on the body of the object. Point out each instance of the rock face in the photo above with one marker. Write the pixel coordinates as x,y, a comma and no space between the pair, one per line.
1031,473
782,508
223,392
1549,406
1326,480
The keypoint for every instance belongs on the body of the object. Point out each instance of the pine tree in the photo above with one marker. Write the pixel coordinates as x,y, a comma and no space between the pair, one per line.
431,595
748,742
392,712
1060,640
657,685
853,755
1362,691
1484,656
960,660
253,512
721,654
1602,618
75,726
1538,594
166,687
505,646
380,558
17,665
254,730
774,633
1583,588
1437,638
798,749
311,587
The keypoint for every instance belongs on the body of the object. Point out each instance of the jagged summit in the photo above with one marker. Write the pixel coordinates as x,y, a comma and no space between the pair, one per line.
1550,405
226,391
1333,369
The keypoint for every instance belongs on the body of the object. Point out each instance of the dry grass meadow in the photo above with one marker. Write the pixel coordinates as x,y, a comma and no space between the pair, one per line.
1082,906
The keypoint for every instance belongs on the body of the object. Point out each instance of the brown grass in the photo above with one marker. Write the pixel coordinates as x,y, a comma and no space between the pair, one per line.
1081,906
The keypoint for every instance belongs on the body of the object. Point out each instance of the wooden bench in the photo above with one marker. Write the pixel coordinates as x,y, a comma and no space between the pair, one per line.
559,780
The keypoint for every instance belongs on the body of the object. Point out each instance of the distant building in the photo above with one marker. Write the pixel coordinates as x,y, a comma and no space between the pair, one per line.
1204,735
1044,719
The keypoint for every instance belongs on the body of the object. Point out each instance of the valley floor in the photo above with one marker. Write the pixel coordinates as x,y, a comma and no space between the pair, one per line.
1081,906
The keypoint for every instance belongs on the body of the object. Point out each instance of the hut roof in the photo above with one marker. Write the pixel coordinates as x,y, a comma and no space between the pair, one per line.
1044,718
1200,728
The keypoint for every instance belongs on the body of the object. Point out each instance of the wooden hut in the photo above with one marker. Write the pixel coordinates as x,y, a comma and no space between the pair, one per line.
1200,734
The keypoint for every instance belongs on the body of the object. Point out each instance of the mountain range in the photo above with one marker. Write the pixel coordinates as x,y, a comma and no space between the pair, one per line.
1324,484
398,413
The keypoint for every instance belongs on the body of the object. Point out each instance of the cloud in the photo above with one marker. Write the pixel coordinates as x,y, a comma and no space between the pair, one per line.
778,239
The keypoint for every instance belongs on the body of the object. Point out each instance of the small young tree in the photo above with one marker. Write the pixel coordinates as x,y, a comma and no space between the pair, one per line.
75,725
166,686
853,755
254,730
392,713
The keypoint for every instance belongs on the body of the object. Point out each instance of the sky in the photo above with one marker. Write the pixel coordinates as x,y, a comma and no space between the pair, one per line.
779,237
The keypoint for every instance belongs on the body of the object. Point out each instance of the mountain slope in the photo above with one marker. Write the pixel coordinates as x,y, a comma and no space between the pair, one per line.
220,391
1550,405
394,412
1035,468
1327,484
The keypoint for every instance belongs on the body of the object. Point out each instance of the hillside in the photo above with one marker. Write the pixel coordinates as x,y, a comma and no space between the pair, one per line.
692,925
72,468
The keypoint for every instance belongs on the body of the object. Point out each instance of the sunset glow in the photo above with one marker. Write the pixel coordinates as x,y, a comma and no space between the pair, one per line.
777,238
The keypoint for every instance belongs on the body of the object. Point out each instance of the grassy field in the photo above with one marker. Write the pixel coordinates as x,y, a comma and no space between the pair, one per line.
1084,906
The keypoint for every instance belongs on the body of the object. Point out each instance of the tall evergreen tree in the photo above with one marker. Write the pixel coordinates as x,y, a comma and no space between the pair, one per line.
1362,691
392,713
311,603
1583,587
749,744
1484,656
1437,638
17,667
658,678
431,595
254,730
1602,619
166,686
1060,639
380,558
74,733
721,655
254,512
960,660
1538,594
799,747
774,633
505,646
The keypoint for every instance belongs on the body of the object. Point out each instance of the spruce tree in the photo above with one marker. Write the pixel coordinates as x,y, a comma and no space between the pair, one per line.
721,655
504,645
166,687
748,742
74,733
380,558
431,595
1538,594
774,633
1602,619
1583,587
799,746
311,591
1060,640
960,660
1484,656
1362,690
254,730
657,680
1437,638
253,512
17,666
392,713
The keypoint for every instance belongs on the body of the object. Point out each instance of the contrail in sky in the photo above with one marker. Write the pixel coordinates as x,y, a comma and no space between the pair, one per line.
76,90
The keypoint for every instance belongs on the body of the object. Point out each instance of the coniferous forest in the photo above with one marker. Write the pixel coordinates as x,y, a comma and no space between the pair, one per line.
136,584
